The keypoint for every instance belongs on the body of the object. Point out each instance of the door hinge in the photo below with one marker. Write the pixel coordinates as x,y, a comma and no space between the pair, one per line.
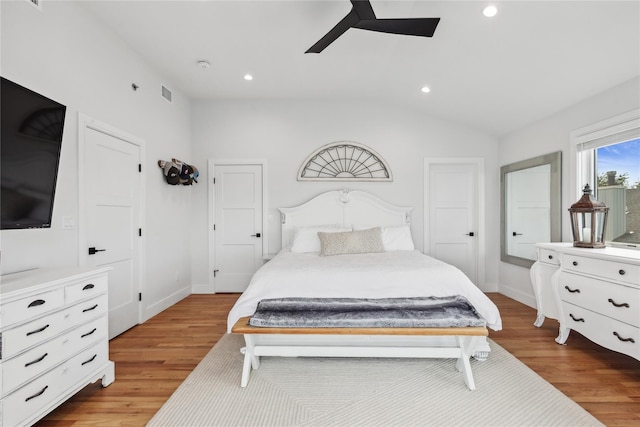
139,167
214,180
140,296
214,227
140,232
215,272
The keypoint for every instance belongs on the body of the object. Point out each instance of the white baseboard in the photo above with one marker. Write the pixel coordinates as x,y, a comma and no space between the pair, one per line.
165,303
202,289
518,295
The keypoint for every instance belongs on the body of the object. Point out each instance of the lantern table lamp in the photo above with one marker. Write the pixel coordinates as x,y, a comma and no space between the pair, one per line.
588,221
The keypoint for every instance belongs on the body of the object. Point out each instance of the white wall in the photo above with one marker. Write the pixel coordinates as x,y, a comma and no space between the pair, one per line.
68,56
550,135
284,133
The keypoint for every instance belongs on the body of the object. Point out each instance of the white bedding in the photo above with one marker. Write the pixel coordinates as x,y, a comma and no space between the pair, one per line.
372,275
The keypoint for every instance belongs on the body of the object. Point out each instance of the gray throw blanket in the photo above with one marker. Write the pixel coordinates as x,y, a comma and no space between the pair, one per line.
418,312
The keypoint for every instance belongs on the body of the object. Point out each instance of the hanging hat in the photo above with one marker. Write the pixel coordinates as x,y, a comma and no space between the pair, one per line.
171,172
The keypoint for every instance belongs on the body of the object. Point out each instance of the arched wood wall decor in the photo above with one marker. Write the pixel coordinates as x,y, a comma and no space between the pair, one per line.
344,161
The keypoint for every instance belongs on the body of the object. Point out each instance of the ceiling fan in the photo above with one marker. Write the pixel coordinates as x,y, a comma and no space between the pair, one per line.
362,16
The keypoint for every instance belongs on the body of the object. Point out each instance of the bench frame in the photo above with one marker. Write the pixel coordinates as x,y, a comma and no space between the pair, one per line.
339,342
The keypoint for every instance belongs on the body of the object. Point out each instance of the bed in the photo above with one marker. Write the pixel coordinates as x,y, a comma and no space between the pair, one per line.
304,269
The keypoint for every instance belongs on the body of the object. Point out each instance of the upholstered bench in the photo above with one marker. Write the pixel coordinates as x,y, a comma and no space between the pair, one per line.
338,344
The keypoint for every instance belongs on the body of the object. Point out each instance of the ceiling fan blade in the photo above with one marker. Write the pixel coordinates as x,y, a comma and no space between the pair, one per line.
424,27
363,9
347,22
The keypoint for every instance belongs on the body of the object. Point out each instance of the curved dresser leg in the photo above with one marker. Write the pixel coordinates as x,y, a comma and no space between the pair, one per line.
563,334
539,320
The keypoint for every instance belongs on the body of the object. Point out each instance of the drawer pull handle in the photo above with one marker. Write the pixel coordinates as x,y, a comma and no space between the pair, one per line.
38,330
88,333
573,291
36,361
36,303
550,256
624,304
575,263
579,319
90,360
89,286
37,394
90,308
622,272
624,339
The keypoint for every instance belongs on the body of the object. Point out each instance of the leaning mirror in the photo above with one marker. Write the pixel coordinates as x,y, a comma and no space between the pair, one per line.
529,207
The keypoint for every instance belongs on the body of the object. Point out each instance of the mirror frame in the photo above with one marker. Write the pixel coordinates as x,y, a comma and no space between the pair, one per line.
553,159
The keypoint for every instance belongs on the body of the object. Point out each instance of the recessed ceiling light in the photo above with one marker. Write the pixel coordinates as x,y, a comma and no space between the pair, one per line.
248,77
490,11
425,89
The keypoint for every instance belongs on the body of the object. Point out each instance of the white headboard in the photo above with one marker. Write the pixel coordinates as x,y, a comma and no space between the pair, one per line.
344,208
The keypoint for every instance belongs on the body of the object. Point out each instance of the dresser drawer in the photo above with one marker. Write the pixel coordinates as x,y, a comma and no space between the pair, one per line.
29,400
87,310
27,365
24,336
85,289
85,335
607,269
87,362
610,299
548,256
609,333
27,308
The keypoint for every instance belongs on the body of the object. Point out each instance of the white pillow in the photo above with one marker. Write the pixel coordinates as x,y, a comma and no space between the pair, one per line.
305,239
397,238
351,242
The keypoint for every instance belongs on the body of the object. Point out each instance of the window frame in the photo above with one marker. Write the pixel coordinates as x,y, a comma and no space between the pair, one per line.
620,128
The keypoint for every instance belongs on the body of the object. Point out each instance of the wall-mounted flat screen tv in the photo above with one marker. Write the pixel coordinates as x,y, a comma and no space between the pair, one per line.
31,137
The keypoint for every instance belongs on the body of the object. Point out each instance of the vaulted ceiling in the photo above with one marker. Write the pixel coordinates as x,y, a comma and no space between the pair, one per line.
497,74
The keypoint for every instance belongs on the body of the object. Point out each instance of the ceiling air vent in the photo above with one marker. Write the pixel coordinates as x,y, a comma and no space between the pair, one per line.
166,93
36,3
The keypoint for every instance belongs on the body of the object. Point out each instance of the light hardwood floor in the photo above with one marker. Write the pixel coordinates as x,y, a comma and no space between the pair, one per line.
152,359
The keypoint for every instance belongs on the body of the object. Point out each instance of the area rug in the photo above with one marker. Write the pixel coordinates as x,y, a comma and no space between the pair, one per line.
365,392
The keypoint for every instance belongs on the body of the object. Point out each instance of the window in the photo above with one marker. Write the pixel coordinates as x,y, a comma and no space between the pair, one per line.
608,158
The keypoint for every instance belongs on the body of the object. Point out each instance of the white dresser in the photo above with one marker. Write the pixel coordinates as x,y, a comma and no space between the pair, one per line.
54,339
597,293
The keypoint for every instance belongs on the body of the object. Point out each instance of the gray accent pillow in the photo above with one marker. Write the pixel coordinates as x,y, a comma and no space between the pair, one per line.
351,242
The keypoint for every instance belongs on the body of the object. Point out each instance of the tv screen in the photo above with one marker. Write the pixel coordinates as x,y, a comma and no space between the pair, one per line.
31,137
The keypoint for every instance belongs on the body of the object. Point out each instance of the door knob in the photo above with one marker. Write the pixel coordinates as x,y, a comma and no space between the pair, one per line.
255,235
517,234
92,251
470,234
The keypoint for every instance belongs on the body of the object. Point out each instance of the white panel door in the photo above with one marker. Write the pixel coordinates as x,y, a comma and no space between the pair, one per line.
453,220
238,225
112,191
